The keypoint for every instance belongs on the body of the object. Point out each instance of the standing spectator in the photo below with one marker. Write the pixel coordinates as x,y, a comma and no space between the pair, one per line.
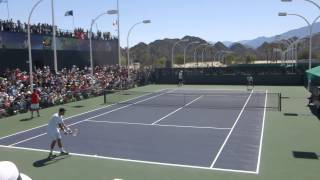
35,99
180,77
250,84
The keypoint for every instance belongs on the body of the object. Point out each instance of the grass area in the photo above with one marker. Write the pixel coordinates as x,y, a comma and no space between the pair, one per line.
283,135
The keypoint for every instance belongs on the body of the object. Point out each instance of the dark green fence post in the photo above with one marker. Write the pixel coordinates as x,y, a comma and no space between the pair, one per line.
104,97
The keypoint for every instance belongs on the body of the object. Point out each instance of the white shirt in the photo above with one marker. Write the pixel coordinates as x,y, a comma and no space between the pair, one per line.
53,125
180,75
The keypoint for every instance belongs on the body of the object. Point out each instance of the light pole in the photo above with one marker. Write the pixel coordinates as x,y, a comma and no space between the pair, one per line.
279,51
205,50
216,55
172,51
110,12
128,48
118,26
55,60
195,52
310,26
220,54
310,31
224,53
295,48
29,45
7,2
185,51
287,43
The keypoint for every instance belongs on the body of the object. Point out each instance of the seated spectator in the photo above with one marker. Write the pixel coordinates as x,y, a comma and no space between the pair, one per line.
66,86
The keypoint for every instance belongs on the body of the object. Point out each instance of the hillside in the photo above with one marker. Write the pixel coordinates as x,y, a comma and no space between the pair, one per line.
158,53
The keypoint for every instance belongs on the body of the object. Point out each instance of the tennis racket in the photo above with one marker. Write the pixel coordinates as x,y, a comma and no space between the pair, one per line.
73,132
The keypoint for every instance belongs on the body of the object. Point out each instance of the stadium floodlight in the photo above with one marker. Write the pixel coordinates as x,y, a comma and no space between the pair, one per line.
146,21
282,14
172,51
129,32
110,12
29,45
309,1
185,51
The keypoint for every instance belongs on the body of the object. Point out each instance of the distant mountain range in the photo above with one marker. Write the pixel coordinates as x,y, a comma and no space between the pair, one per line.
159,52
300,33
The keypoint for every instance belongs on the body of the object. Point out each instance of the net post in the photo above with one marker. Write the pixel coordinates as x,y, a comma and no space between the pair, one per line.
104,97
279,101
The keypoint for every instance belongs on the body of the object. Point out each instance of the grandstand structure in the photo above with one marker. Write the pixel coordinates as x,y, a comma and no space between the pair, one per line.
72,47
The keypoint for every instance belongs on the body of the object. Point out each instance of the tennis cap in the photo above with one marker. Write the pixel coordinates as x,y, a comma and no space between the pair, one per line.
9,171
60,110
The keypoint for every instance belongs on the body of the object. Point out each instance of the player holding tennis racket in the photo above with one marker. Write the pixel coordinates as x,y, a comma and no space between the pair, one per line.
54,126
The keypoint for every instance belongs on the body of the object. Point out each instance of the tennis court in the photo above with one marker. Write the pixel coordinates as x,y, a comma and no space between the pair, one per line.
204,129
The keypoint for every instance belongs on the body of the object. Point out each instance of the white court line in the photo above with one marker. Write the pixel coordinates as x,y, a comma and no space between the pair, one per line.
176,110
4,137
158,125
227,138
188,89
245,90
209,95
136,161
108,112
34,137
261,138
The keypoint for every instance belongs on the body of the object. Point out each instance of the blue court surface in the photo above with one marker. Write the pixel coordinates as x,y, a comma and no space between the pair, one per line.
206,129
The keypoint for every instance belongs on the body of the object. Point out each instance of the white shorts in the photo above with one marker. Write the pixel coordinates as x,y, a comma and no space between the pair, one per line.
54,135
34,106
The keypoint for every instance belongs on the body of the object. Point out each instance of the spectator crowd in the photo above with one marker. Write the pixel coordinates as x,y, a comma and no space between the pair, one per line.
68,85
47,30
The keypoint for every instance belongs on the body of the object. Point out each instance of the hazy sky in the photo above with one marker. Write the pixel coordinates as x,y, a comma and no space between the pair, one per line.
212,20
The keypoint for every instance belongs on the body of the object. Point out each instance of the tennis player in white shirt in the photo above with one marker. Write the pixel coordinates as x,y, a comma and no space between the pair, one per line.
54,126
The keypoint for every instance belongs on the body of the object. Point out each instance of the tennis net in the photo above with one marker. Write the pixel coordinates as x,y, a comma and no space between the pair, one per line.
196,99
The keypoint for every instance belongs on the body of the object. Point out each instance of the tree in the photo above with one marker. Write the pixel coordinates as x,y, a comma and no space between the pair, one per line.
229,59
159,63
304,54
179,59
250,59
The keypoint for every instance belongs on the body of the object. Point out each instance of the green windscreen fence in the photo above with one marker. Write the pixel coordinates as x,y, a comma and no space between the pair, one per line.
314,75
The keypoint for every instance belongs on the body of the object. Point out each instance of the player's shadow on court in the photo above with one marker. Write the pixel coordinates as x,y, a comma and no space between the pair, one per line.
25,119
49,161
305,155
315,111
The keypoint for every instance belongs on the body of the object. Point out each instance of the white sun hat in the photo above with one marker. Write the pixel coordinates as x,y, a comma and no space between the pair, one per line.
9,171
